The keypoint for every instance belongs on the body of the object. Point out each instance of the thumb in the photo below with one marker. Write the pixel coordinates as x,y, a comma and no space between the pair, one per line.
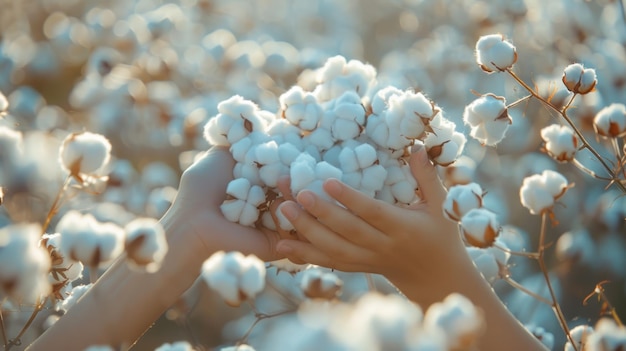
426,175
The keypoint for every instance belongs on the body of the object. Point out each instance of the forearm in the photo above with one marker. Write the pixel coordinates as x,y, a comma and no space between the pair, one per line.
502,330
124,303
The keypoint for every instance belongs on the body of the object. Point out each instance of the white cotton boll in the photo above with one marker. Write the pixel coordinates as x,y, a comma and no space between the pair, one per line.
234,276
176,346
63,269
480,227
404,192
301,108
380,100
494,53
377,130
561,142
267,221
458,318
269,174
348,160
4,104
239,149
302,172
578,79
249,215
252,279
461,172
610,122
539,192
238,188
352,179
579,334
287,153
343,129
461,199
24,265
75,294
317,284
240,347
267,153
232,209
84,153
488,118
321,138
374,177
366,155
544,336
608,336
332,155
485,262
324,170
145,243
250,172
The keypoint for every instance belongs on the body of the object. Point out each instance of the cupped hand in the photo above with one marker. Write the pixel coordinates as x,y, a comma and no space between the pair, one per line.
413,243
197,207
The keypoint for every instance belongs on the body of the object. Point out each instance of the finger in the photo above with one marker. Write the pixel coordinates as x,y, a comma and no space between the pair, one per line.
329,242
305,252
427,177
204,182
342,221
284,234
284,186
377,213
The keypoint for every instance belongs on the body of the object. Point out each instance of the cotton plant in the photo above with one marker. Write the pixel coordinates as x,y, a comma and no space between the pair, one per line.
63,270
83,154
145,244
24,265
316,283
235,277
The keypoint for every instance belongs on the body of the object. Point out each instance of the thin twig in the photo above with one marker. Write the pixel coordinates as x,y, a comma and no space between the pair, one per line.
599,290
5,341
17,340
260,317
563,113
586,170
532,255
523,289
55,204
519,101
542,265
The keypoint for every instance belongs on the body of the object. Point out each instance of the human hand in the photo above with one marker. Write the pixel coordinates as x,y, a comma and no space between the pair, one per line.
412,246
197,206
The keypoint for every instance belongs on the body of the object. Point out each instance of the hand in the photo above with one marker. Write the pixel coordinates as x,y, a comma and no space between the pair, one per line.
197,206
412,246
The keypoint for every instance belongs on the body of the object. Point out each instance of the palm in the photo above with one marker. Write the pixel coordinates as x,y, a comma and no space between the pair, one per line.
202,190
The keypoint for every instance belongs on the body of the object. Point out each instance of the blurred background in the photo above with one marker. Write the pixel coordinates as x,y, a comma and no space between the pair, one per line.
149,74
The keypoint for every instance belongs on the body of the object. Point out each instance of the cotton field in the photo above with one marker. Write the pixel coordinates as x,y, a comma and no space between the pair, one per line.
312,175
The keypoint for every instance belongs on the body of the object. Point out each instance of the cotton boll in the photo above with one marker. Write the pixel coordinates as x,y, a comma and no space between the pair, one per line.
488,118
460,172
494,53
373,178
561,142
610,122
84,153
461,199
578,79
236,119
480,227
86,240
234,276
445,145
240,347
145,243
608,336
75,294
24,265
63,269
338,76
302,172
539,192
380,101
579,334
300,108
461,321
238,188
485,262
4,104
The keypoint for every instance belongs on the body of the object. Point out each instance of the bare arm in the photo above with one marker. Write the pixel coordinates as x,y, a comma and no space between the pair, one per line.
124,303
416,248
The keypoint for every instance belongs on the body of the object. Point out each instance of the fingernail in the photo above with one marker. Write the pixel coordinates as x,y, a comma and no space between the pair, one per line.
416,147
289,210
284,248
306,199
332,187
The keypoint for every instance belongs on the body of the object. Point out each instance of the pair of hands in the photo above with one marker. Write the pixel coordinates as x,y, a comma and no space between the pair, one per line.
413,243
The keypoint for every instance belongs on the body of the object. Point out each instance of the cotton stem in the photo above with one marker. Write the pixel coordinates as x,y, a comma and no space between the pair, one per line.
563,113
542,265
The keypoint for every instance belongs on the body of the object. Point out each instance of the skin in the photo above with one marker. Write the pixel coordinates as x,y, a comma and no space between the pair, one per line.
124,303
415,247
